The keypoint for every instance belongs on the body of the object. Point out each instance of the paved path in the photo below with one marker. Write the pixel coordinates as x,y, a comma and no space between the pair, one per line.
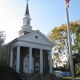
77,78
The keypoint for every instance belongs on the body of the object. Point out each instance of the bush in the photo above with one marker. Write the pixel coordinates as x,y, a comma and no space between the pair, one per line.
8,76
7,73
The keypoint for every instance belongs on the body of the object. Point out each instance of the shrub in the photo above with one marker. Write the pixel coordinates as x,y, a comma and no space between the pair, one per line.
7,73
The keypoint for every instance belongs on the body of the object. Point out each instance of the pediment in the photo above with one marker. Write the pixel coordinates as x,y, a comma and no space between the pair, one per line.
36,37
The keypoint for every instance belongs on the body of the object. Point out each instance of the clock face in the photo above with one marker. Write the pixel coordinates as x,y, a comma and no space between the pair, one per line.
28,22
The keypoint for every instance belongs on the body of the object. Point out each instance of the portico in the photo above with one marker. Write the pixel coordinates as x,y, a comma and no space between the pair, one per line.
35,59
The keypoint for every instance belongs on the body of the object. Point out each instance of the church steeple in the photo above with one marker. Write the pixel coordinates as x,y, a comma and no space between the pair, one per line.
27,10
26,28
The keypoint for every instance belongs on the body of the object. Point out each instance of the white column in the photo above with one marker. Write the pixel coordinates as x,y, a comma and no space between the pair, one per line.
50,61
30,60
41,61
18,59
11,58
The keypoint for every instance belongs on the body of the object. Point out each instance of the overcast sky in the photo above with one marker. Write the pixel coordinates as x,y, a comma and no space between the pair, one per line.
45,15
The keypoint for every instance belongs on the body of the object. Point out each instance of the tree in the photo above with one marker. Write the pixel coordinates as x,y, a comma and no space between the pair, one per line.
59,37
76,59
2,48
76,46
2,37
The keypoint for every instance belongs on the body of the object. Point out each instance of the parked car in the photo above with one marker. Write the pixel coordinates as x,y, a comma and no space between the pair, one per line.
61,73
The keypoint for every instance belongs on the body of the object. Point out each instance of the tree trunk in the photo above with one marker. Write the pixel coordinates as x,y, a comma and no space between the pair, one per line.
74,70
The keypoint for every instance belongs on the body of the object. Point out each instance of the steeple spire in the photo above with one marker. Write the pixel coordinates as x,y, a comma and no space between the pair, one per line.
26,28
27,9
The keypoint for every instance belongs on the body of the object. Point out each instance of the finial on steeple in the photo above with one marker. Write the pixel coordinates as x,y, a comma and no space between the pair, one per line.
27,10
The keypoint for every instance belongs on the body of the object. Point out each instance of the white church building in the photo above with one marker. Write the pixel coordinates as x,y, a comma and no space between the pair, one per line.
31,52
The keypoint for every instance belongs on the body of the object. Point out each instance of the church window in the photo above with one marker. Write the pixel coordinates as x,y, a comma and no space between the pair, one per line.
37,66
28,22
15,66
36,37
23,22
27,56
36,53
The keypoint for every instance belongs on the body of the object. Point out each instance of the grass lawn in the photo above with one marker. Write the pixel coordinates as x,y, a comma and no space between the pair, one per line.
69,78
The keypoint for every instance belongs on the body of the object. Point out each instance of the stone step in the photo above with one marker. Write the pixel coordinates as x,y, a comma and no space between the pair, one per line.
39,77
23,76
36,75
42,77
24,79
48,77
29,75
36,79
30,79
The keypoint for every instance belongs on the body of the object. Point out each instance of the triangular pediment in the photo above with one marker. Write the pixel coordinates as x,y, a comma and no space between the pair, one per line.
36,37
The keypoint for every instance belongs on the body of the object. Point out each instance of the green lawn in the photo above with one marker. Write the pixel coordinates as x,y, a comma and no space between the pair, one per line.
69,78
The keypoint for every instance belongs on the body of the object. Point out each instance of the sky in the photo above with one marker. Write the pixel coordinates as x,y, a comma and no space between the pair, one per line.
45,15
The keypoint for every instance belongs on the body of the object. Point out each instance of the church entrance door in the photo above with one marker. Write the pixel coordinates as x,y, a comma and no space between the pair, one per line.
26,64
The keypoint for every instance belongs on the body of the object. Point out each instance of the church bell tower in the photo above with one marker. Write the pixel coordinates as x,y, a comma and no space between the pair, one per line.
26,28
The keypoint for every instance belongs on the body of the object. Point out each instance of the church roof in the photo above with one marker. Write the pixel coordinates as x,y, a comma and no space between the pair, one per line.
31,37
27,10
